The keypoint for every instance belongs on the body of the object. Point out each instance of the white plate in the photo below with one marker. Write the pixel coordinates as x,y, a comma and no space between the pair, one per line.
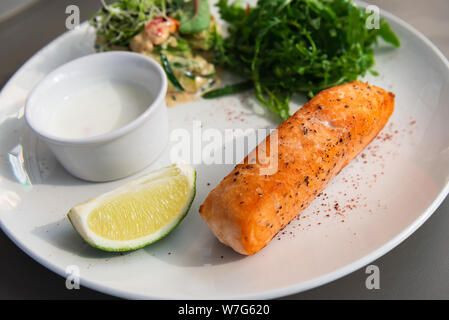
395,187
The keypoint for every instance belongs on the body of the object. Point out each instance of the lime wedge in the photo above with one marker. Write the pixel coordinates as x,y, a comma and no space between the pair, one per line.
139,212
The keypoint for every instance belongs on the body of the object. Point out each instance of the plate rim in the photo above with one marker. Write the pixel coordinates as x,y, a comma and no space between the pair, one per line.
268,294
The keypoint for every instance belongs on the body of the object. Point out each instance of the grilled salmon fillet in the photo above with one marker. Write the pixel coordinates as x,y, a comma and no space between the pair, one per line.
248,208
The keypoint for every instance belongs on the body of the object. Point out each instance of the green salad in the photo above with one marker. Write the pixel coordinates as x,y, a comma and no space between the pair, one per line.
288,46
180,34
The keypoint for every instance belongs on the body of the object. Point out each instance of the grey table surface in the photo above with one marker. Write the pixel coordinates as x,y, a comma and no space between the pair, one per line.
416,269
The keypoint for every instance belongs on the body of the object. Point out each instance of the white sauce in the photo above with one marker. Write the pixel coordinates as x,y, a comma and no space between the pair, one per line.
98,109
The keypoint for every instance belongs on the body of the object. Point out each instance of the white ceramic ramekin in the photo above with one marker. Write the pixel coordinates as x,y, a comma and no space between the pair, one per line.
118,153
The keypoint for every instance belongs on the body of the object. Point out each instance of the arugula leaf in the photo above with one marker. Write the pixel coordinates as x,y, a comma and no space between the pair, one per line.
289,46
388,35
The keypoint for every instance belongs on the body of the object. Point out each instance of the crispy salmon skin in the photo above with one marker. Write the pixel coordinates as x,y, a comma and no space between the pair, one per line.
248,208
